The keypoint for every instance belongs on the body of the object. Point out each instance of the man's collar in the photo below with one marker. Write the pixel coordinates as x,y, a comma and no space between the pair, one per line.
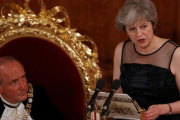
9,104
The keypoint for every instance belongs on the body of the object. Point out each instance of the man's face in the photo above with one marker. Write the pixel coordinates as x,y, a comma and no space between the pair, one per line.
13,87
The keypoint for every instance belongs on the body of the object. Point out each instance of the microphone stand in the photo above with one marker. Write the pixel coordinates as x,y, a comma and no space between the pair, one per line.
99,85
105,111
90,108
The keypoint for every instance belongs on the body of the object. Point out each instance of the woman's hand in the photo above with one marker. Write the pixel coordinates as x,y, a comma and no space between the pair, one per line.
153,112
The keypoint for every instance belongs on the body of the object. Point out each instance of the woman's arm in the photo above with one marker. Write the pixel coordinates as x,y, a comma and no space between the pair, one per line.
163,109
175,68
117,63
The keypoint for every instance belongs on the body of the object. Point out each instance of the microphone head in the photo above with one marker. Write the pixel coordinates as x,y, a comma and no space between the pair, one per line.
116,84
100,84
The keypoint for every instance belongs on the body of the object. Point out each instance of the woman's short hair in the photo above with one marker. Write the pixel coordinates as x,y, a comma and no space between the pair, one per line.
134,11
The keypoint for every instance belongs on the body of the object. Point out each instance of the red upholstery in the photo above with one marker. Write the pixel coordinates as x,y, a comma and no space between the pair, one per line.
48,65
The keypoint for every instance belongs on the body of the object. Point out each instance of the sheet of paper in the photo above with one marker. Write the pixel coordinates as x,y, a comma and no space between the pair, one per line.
121,106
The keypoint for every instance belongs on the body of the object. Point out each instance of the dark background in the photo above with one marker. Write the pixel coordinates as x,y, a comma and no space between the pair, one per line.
96,18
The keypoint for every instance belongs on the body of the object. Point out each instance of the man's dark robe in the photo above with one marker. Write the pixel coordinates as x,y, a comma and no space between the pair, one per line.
42,107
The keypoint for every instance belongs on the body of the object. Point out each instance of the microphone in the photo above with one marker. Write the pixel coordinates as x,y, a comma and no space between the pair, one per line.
115,85
99,85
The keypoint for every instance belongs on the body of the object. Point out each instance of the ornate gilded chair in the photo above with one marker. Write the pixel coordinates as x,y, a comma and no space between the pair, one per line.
53,54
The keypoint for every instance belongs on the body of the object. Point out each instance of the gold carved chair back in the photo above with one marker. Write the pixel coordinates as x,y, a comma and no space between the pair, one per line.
53,54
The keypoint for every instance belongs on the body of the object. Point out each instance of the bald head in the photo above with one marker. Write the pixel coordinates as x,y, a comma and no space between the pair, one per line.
5,60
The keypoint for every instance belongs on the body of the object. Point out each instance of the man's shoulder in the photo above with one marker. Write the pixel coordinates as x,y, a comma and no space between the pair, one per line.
1,107
34,92
38,88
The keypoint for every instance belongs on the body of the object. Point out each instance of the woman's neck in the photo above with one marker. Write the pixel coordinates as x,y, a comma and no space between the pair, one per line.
153,45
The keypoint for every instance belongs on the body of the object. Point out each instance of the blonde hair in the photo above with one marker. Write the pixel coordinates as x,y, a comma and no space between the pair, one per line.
136,11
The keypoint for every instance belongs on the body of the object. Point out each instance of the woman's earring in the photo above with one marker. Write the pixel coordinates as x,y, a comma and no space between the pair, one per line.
154,30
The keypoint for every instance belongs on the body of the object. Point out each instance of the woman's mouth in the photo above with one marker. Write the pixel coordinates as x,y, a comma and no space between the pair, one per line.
141,40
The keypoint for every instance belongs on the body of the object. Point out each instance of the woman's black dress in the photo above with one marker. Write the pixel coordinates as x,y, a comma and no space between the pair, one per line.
148,78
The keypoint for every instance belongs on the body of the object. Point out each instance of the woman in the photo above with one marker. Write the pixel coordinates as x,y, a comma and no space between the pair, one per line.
147,65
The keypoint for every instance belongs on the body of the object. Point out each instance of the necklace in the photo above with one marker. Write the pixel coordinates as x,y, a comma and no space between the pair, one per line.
16,116
30,98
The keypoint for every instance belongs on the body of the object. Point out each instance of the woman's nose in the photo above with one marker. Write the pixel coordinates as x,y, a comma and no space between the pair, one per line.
139,32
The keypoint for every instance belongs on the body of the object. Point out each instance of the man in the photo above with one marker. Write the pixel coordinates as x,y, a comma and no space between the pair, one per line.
19,100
